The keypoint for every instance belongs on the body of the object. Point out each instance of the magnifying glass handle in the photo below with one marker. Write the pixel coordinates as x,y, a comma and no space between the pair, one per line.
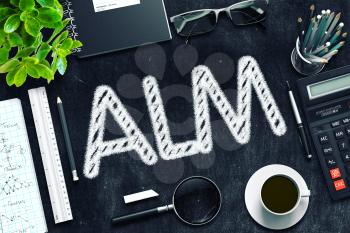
142,214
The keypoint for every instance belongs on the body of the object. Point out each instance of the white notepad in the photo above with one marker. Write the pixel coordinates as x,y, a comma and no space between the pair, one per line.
21,209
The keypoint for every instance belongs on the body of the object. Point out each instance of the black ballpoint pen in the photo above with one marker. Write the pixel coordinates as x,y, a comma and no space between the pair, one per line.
300,124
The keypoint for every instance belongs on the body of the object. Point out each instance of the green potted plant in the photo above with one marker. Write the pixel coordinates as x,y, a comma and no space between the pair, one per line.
34,41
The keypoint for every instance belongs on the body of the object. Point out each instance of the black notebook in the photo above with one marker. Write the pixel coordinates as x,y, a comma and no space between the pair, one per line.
110,25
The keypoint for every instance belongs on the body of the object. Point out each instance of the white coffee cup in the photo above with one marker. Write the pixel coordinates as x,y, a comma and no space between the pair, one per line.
302,193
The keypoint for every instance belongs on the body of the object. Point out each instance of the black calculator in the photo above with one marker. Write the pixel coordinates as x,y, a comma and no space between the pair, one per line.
325,100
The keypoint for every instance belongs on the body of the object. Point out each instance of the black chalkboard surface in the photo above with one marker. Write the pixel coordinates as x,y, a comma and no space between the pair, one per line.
95,201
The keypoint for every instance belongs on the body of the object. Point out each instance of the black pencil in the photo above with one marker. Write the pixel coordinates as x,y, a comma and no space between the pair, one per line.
67,139
300,31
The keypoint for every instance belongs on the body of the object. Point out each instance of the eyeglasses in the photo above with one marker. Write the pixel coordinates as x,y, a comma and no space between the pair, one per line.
205,20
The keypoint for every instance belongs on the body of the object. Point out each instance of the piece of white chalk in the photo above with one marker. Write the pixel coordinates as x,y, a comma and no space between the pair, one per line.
140,196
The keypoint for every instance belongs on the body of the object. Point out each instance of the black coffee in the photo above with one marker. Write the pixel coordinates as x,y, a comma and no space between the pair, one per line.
279,194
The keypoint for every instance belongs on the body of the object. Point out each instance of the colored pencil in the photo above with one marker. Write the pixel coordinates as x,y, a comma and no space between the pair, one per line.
338,46
320,48
329,21
321,30
300,30
309,31
335,37
320,35
324,52
332,26
313,35
314,58
329,55
312,10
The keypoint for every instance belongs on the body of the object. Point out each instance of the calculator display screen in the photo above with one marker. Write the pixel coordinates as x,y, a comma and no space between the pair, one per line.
330,86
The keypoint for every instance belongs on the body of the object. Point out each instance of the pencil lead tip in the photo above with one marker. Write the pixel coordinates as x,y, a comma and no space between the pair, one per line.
288,86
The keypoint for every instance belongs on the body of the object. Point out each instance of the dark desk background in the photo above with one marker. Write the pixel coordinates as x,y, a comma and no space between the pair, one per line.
95,201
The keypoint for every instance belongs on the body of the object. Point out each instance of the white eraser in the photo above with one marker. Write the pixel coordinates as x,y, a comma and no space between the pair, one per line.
140,196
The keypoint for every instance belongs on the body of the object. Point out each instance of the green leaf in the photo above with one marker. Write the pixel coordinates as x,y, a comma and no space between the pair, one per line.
2,37
31,60
63,52
46,3
5,3
32,71
15,39
44,71
20,76
26,5
28,40
77,44
10,77
60,38
14,2
49,15
61,65
4,55
38,41
5,12
54,62
59,29
12,23
51,25
27,14
9,66
25,52
67,44
45,62
58,6
6,44
32,26
43,51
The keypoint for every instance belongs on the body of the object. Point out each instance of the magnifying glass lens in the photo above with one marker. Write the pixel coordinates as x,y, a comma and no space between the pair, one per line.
197,200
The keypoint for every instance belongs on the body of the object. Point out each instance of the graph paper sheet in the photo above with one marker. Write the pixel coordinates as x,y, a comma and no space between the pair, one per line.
21,209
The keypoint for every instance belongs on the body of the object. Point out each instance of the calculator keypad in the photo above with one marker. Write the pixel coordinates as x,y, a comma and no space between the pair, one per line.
335,173
335,124
339,184
343,145
323,138
345,156
348,130
339,133
346,120
336,152
327,150
331,162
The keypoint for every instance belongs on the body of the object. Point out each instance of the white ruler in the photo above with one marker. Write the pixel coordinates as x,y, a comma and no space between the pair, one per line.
50,155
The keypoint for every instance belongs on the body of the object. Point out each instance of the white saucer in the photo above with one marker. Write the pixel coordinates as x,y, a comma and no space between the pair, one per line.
255,208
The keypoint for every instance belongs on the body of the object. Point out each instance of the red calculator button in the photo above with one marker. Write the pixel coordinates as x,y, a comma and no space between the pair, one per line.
339,184
335,173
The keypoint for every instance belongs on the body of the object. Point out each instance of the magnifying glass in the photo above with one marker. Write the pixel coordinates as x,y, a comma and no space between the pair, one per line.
196,201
